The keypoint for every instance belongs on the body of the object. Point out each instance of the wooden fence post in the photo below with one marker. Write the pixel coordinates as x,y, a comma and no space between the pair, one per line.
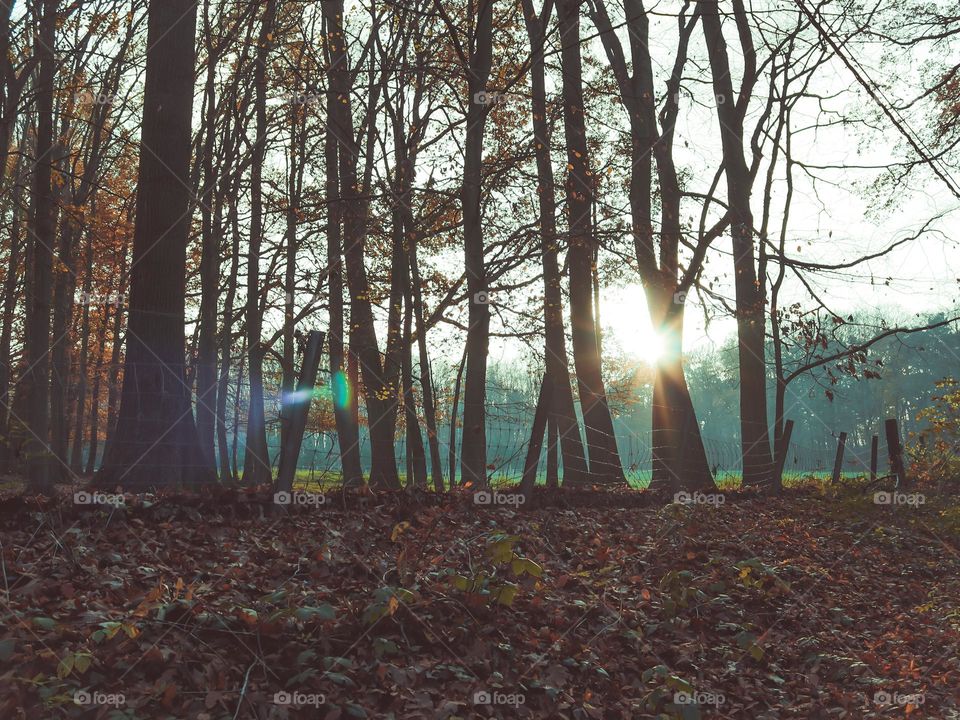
535,446
838,462
895,449
782,456
297,409
874,451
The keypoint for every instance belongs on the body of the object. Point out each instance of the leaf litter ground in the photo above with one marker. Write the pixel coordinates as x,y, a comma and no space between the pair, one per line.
580,604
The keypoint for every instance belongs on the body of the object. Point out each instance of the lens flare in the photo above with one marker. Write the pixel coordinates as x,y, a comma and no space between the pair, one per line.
297,397
655,350
341,390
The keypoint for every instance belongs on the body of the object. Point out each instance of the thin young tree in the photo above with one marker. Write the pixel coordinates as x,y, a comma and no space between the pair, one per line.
679,458
604,459
558,396
37,379
751,319
256,459
355,204
473,452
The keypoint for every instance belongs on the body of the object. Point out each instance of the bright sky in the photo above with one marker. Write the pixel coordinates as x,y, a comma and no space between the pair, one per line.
831,219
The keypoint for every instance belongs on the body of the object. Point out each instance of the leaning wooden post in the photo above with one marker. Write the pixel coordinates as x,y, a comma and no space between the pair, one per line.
782,456
534,448
874,452
895,450
838,461
297,409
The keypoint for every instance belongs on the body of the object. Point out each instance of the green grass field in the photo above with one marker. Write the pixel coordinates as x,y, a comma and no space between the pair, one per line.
317,481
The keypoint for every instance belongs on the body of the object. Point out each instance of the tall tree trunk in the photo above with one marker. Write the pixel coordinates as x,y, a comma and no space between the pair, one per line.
406,169
113,388
223,390
61,344
9,89
37,378
76,450
757,461
14,270
18,433
426,374
416,456
294,187
601,441
353,388
238,393
679,458
256,458
453,420
780,380
560,402
11,85
538,428
207,400
595,279
75,197
363,335
156,442
553,448
473,451
226,340
392,394
94,445
676,432
348,433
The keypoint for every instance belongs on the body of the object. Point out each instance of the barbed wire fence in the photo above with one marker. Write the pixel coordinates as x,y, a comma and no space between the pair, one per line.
509,421
507,447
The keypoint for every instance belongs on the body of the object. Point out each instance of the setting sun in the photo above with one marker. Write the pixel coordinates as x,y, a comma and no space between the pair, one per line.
627,325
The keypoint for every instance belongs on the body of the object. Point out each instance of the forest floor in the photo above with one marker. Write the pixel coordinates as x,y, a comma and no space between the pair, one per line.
579,604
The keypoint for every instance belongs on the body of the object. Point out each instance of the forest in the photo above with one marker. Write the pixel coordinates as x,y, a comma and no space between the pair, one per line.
575,359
